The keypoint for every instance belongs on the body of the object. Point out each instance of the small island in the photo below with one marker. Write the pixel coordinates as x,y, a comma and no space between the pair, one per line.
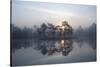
55,32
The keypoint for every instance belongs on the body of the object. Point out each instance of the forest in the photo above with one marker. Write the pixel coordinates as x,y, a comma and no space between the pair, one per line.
50,31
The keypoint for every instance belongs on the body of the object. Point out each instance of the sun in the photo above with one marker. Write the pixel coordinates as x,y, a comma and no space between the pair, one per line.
63,28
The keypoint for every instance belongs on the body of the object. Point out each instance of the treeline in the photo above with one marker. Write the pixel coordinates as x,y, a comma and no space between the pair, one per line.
18,33
86,33
45,31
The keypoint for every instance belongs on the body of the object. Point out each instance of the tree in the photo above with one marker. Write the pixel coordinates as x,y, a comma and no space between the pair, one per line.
44,27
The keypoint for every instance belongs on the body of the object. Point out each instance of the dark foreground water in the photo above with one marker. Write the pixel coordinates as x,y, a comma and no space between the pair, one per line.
36,52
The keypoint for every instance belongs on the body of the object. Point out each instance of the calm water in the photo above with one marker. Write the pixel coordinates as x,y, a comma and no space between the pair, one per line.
34,52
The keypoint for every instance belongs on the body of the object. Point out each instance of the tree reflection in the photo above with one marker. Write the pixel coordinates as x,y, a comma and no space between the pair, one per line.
90,41
46,47
51,47
64,46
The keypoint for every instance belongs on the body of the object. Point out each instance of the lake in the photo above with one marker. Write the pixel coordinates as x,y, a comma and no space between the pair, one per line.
38,52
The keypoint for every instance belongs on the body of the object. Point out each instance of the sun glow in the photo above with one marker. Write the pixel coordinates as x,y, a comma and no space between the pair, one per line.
63,28
62,44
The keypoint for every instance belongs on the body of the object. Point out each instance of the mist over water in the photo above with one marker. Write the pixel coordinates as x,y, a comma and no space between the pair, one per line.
51,33
30,52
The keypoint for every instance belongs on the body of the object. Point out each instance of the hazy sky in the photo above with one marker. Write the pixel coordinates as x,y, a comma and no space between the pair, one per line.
29,13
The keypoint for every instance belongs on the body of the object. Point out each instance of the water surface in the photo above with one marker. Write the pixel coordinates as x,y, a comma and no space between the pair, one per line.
35,52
